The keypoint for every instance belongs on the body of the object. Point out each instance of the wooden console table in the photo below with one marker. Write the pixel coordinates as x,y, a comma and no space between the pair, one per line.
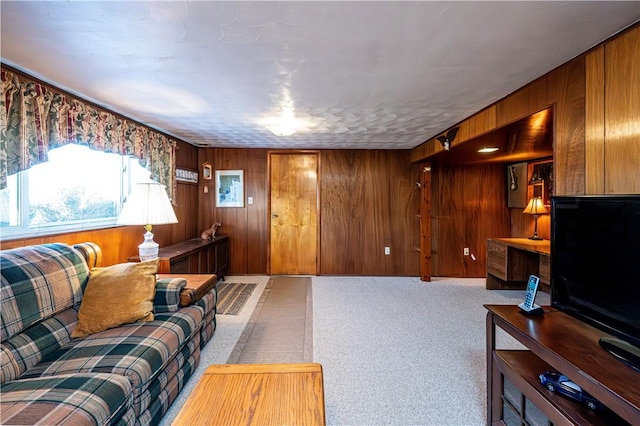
194,256
510,261
259,394
555,341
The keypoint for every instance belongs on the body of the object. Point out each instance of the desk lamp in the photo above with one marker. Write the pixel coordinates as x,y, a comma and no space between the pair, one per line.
536,208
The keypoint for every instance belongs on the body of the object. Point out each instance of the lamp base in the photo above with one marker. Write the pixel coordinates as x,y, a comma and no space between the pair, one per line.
535,237
148,250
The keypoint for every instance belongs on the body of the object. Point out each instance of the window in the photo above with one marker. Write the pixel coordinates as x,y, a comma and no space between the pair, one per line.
77,189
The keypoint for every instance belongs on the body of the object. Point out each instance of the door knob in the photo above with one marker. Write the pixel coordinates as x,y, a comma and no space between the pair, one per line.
273,215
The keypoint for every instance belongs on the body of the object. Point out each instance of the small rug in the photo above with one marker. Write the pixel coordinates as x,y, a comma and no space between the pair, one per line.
233,296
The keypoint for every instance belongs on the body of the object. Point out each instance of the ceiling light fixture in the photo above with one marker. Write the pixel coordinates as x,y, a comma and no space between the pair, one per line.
488,150
283,129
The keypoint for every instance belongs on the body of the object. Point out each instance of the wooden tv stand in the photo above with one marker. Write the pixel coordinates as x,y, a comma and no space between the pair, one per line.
555,341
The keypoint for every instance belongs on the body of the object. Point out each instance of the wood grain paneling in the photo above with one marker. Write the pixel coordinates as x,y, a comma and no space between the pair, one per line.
116,243
257,213
246,226
524,102
622,114
425,221
483,122
234,219
357,218
468,206
566,88
206,193
424,150
368,201
404,207
342,193
464,131
594,123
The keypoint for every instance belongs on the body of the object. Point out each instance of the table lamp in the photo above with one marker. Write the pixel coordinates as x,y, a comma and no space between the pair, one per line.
535,207
148,204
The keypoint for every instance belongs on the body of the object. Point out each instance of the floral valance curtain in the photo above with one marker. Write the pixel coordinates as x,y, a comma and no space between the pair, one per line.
35,118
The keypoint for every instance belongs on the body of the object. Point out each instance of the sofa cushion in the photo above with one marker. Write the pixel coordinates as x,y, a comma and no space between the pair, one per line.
117,295
99,399
138,351
38,282
23,351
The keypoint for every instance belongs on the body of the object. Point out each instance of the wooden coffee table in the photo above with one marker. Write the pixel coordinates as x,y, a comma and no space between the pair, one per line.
260,394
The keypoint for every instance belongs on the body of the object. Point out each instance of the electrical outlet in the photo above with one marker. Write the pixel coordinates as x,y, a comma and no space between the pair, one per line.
387,250
466,251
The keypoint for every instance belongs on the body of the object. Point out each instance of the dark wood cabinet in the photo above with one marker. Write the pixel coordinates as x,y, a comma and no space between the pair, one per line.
195,256
554,341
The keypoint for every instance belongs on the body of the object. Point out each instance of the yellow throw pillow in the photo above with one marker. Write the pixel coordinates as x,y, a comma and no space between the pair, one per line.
116,295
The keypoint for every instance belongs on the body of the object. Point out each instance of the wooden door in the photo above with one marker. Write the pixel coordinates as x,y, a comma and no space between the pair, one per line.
294,213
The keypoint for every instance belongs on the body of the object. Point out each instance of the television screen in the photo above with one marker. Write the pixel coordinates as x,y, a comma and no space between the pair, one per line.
595,261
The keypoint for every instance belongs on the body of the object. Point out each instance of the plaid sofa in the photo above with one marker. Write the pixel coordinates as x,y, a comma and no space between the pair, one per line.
125,375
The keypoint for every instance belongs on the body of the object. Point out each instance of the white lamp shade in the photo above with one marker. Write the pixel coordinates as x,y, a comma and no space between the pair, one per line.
535,206
148,204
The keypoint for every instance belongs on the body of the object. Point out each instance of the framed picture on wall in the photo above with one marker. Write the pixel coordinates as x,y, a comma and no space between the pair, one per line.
229,188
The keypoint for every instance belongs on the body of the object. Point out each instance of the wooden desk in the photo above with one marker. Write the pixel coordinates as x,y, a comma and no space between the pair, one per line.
510,261
260,394
197,286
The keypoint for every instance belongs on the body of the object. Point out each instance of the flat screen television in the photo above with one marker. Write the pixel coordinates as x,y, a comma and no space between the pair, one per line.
595,267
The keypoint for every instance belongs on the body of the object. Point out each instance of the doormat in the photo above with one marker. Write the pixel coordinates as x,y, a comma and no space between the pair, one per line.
233,296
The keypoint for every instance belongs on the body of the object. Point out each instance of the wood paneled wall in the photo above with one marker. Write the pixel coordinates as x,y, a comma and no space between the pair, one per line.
612,119
453,217
566,91
368,200
246,226
468,206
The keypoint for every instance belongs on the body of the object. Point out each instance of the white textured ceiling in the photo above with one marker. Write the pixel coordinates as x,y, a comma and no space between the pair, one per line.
375,75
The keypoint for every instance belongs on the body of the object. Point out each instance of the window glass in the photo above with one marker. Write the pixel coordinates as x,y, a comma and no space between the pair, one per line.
78,188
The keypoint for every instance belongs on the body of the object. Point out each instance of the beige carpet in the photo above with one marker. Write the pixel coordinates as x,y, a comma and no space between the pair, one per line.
398,351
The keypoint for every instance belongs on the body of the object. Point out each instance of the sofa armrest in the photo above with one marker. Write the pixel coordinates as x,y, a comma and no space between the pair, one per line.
91,253
167,297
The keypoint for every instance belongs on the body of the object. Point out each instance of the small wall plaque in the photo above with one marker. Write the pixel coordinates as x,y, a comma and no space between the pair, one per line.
183,175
